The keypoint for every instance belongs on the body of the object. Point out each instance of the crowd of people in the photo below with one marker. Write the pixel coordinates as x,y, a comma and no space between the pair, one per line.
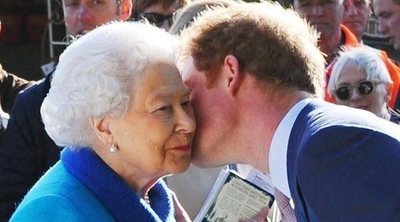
149,89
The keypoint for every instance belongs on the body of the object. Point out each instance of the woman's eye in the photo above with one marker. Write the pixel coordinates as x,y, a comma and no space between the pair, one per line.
164,108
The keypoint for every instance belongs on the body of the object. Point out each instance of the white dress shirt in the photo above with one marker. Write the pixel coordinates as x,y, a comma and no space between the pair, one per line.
279,148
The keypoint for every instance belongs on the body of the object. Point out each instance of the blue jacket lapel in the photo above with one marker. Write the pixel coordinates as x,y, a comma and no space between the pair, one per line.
123,203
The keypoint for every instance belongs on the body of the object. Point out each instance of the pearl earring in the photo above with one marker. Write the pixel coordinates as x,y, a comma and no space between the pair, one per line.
113,148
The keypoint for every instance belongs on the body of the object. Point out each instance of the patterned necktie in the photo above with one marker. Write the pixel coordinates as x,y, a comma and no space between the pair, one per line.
286,210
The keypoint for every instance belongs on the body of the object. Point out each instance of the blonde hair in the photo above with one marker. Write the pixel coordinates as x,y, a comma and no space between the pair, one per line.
271,43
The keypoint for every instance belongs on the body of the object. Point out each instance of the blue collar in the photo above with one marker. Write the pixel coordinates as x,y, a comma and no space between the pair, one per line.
122,202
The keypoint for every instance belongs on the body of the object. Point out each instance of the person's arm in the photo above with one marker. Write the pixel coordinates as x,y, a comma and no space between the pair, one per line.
18,163
10,86
349,174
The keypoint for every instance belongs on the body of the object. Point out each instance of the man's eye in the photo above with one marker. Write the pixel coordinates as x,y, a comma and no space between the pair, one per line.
98,2
71,3
385,15
358,3
326,2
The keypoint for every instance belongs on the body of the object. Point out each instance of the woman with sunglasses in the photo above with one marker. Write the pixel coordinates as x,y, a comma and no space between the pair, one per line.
157,12
361,80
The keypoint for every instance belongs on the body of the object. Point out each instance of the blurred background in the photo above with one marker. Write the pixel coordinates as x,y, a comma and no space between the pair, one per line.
30,34
33,35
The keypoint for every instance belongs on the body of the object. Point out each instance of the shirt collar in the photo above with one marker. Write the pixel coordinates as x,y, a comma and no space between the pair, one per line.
279,148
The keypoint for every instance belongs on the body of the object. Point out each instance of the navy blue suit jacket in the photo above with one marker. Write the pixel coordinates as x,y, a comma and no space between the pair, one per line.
26,151
344,165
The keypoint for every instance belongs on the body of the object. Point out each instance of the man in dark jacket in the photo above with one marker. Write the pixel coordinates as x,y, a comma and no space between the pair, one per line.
10,86
26,151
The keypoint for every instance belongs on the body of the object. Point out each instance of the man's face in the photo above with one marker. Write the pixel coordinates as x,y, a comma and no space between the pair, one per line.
324,15
81,16
388,13
357,17
212,113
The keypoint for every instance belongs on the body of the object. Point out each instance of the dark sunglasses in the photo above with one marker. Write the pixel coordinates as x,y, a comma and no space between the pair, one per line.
363,88
156,18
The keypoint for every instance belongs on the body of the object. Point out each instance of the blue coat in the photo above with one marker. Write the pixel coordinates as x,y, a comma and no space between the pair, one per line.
344,165
81,187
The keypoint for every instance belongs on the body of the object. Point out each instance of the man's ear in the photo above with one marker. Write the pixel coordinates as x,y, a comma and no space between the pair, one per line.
232,74
125,9
101,127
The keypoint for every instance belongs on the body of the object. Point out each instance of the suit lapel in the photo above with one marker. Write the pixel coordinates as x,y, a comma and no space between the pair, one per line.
298,136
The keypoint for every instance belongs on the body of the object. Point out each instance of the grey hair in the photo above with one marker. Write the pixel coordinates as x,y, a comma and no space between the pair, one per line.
366,59
95,76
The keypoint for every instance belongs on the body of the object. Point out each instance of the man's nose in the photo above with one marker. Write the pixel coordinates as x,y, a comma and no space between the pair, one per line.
84,14
382,26
351,11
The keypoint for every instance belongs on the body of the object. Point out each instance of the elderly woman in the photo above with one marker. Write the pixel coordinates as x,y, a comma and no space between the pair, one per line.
118,104
361,80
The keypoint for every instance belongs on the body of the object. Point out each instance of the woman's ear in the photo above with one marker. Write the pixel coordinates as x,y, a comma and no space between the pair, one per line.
232,73
388,93
125,9
101,128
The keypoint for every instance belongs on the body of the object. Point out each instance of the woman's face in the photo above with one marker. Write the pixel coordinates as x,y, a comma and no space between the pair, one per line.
374,102
154,135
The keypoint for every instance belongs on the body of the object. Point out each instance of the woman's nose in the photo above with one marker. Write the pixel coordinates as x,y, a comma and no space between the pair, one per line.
185,121
355,95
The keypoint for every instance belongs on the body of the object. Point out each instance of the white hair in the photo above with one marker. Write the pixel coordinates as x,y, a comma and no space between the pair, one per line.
366,59
95,76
